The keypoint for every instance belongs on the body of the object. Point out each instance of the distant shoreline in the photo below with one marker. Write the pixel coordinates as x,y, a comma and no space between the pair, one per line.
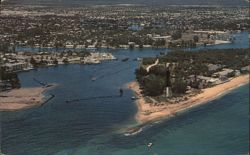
149,113
219,42
23,98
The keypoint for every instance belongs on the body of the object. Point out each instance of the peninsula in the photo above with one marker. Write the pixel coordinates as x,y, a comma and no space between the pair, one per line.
163,91
22,98
148,112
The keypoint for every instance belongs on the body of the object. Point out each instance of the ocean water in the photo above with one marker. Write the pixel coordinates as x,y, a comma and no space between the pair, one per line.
93,123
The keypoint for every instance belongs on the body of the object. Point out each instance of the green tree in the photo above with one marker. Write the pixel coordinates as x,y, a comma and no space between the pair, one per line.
196,39
33,62
179,86
154,85
55,61
177,35
65,61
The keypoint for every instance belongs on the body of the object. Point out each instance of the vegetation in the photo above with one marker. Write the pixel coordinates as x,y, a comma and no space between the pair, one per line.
10,79
65,61
154,85
179,86
182,64
176,35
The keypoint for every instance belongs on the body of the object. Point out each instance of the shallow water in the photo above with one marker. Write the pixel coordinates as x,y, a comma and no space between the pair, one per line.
92,126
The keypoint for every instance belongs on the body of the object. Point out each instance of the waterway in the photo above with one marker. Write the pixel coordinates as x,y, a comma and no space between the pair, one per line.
93,126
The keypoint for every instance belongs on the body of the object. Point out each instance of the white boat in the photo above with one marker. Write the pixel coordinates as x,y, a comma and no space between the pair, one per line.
150,144
133,98
93,78
135,132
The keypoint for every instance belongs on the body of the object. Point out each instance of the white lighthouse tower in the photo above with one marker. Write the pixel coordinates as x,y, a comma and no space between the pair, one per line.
168,91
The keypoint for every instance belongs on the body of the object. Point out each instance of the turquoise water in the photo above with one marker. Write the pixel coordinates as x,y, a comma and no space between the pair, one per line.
218,127
92,126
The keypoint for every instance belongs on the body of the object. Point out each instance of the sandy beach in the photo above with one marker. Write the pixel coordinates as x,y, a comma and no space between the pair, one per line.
22,98
148,112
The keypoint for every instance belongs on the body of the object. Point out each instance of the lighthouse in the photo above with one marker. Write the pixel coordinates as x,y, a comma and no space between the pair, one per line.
168,91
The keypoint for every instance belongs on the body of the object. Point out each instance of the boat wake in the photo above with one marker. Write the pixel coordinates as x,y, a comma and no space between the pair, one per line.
134,132
139,129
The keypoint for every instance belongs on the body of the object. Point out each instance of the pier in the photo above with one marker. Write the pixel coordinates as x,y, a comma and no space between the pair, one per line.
46,101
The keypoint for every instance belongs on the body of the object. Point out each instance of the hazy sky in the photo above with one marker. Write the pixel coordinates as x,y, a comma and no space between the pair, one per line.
150,2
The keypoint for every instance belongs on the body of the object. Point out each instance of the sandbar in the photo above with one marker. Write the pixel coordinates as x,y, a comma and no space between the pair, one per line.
22,98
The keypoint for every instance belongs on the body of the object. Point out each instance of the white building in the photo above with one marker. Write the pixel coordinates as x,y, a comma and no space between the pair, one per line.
15,67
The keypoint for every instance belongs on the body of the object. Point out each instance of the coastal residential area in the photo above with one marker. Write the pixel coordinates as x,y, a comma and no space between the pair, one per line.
23,61
119,27
200,70
13,97
180,79
81,77
11,63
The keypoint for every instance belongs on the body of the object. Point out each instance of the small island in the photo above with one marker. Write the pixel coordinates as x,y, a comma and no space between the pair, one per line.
180,80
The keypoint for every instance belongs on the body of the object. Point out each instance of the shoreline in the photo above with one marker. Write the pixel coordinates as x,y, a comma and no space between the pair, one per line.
127,48
148,113
23,98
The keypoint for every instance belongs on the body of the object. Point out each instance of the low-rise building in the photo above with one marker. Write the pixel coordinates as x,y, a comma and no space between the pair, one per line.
245,69
224,73
16,67
214,67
